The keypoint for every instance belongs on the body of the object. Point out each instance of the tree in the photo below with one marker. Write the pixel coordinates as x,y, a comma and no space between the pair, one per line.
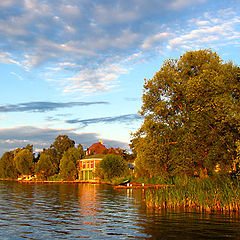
52,155
45,167
191,116
111,166
61,144
68,163
24,161
7,166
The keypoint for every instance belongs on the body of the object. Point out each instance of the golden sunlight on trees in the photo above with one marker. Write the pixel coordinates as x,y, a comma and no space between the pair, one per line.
111,166
24,161
68,163
191,116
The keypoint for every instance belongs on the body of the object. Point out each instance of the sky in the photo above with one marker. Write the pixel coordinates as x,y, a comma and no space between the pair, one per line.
77,67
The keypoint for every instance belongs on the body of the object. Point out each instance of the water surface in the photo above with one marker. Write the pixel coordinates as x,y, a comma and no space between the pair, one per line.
73,211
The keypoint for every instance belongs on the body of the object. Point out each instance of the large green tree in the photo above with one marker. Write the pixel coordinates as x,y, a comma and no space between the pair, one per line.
111,166
46,167
7,166
61,144
68,163
191,116
24,161
53,157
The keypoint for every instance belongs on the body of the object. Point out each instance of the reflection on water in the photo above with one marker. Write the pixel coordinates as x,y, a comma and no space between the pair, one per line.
71,211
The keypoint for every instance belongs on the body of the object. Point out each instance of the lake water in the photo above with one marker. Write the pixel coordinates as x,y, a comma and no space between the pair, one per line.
72,211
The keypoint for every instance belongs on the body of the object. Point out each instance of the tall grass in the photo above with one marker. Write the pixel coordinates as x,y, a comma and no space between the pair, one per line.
207,194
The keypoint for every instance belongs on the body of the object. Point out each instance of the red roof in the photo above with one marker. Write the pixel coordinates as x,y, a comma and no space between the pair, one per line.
97,148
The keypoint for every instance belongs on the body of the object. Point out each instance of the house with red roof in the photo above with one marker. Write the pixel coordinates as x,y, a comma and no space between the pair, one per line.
88,164
97,148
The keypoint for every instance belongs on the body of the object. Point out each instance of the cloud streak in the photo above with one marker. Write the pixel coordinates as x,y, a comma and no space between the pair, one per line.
211,31
44,106
126,119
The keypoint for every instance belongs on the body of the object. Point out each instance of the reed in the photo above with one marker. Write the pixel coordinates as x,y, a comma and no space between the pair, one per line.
207,194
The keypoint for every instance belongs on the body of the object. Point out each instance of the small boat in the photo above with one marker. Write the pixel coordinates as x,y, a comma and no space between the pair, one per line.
124,183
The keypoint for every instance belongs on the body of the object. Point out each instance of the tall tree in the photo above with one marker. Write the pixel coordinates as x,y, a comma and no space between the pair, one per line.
53,157
24,161
45,167
61,144
191,115
7,166
68,163
111,166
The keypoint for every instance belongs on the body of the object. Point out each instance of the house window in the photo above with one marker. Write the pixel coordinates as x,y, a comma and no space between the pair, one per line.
84,165
91,164
88,164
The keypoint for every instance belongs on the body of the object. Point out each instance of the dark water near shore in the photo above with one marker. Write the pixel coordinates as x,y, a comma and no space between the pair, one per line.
72,211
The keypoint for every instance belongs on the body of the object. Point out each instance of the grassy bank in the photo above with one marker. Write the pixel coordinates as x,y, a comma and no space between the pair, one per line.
207,194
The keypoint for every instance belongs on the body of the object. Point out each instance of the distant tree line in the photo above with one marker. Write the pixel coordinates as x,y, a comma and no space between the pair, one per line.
59,159
58,162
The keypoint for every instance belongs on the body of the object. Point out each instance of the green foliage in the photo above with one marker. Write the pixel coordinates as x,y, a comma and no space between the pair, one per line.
45,166
7,166
52,154
111,166
191,116
74,154
68,163
24,162
61,144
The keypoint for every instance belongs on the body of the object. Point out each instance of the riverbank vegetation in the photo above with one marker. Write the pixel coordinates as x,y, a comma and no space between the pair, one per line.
191,128
220,193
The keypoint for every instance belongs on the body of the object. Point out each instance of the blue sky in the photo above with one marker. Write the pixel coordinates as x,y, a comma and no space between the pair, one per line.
77,67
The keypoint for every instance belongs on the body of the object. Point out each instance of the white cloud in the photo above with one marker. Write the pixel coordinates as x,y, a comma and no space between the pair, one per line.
202,22
117,14
208,31
94,80
73,42
7,58
69,10
35,7
150,41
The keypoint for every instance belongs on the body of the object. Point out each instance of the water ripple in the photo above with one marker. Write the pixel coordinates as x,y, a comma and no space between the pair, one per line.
67,211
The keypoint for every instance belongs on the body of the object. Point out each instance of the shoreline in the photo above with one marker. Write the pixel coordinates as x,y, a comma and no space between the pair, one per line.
62,181
116,185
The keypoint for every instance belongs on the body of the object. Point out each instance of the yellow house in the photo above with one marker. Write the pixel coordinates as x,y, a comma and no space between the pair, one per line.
87,168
